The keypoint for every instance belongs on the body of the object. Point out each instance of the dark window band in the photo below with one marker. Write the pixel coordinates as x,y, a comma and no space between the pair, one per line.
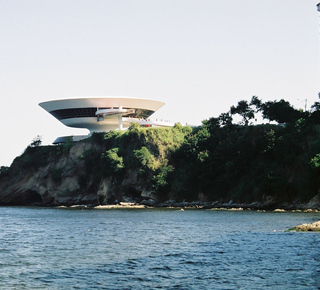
91,112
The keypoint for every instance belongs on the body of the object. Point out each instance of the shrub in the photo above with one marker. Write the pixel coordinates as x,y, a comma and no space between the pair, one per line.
145,158
36,141
34,157
159,180
68,145
315,161
111,162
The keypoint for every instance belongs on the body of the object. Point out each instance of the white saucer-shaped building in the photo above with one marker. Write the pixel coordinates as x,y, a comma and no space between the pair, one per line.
102,114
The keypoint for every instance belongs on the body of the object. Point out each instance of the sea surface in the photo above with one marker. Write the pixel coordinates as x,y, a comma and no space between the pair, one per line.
54,248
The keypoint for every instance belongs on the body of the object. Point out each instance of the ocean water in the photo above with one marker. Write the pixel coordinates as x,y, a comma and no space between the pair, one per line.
52,248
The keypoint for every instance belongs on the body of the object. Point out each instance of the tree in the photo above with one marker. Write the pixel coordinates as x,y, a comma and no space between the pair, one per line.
255,101
134,127
243,109
316,106
36,141
315,113
225,119
280,111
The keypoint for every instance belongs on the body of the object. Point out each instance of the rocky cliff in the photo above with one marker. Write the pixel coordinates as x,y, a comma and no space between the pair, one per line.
88,172
258,167
59,180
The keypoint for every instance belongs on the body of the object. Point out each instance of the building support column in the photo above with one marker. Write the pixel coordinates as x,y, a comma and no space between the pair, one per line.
120,122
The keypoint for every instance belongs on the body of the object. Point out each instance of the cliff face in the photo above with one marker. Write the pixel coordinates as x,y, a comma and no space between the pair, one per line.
60,181
105,168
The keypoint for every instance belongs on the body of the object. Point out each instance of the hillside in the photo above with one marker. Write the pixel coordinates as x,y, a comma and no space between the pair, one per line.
219,163
130,165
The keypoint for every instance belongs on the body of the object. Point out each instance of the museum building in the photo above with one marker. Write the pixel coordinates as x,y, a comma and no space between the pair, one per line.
102,114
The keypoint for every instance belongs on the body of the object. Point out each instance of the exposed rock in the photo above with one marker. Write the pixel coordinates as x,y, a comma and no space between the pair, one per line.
120,206
215,203
308,227
313,203
148,202
167,203
103,190
181,204
79,206
254,205
269,204
149,195
308,210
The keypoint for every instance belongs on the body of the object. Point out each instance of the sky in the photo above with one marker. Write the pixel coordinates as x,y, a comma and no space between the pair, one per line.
198,56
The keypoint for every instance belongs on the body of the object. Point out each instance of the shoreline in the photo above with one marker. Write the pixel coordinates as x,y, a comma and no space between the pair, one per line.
189,206
307,227
199,205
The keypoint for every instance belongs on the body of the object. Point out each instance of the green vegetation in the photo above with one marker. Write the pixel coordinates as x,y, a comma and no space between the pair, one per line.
33,158
219,160
111,162
146,150
244,163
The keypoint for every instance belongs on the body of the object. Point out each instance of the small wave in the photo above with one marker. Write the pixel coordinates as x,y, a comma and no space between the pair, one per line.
164,268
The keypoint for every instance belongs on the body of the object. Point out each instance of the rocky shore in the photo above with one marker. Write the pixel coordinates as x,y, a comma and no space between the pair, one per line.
312,205
313,227
195,205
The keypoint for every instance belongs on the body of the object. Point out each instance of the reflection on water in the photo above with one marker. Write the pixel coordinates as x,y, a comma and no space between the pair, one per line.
138,249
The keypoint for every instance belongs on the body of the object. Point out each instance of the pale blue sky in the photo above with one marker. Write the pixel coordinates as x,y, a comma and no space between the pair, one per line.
198,56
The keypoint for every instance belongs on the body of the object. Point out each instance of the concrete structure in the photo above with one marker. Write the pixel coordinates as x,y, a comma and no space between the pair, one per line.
102,114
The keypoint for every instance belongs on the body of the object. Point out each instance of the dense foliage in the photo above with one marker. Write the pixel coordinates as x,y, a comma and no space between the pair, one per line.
244,163
219,160
146,150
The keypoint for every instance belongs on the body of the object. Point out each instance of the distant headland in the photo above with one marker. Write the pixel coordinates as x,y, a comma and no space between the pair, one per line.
220,164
